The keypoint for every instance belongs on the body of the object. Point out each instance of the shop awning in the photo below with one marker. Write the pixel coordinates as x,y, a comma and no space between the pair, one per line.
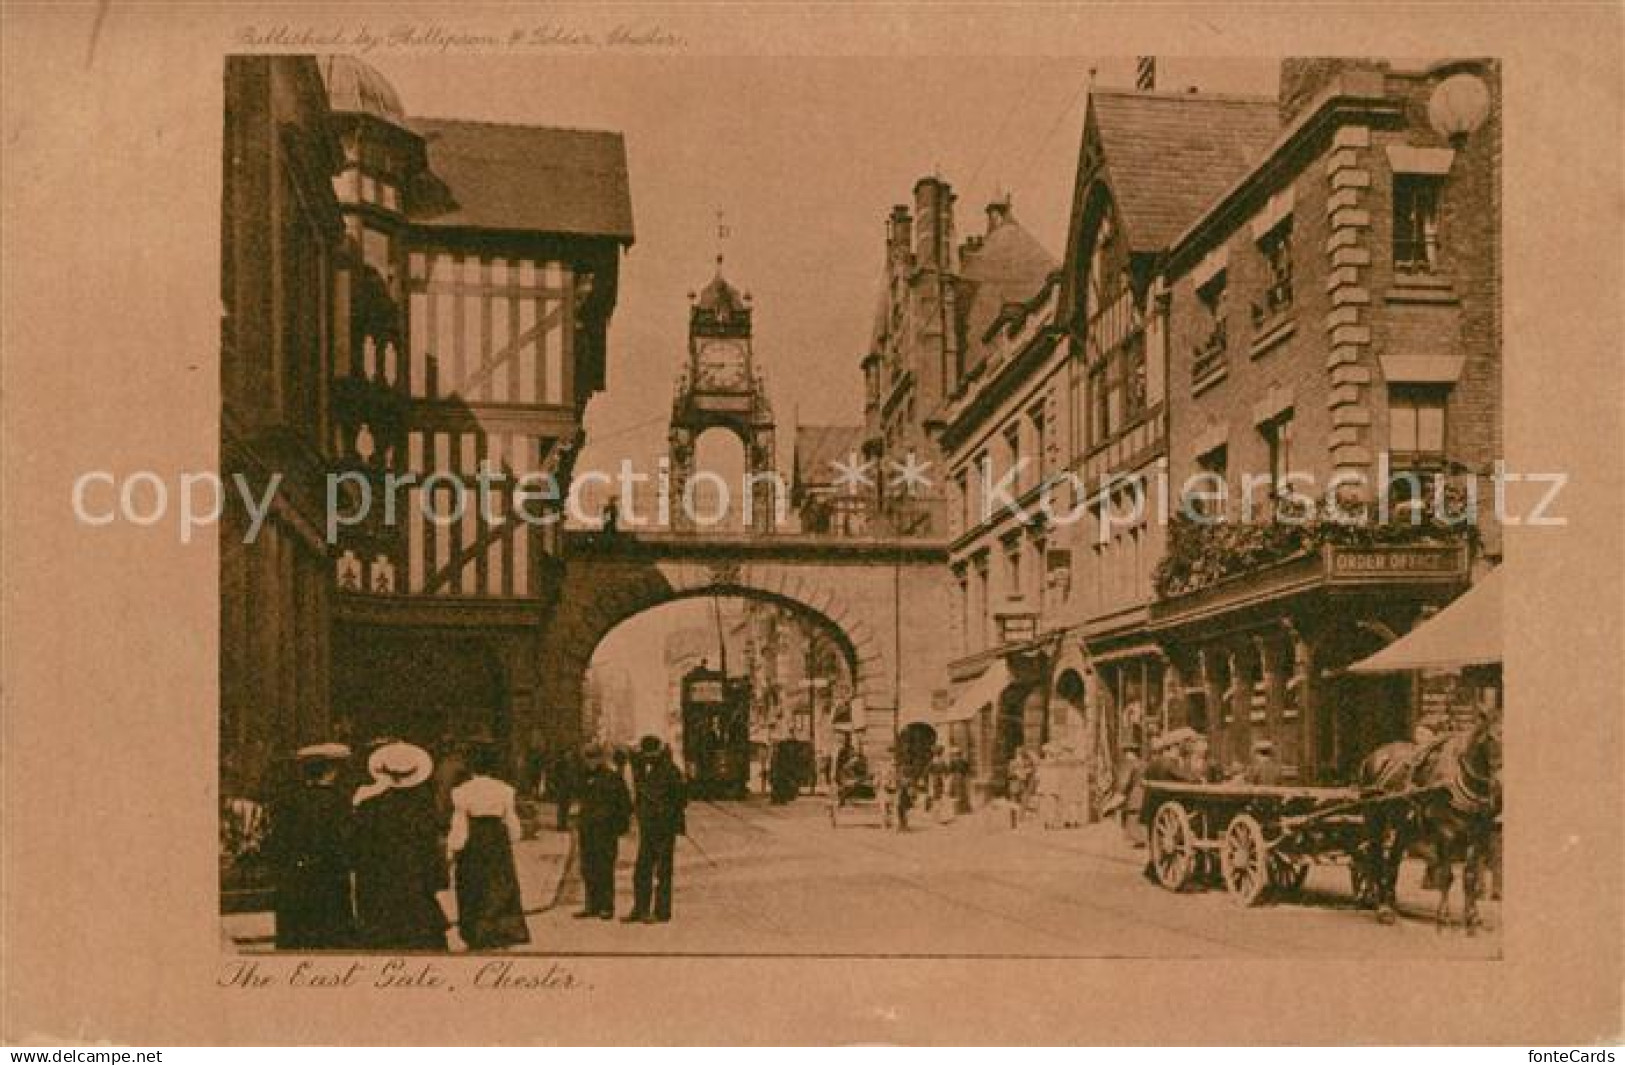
983,691
1465,633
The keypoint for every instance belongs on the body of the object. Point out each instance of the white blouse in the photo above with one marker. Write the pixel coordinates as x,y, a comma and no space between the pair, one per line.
481,797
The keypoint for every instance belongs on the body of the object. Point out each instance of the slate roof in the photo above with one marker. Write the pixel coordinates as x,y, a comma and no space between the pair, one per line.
1170,155
354,86
720,297
526,178
819,446
1010,267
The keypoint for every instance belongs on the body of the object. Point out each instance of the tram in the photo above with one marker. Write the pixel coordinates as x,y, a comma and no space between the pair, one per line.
716,733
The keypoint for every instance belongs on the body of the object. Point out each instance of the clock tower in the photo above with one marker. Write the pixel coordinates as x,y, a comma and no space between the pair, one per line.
720,388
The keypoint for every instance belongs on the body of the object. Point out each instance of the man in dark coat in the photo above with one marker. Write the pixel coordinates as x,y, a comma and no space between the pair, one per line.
566,771
661,803
604,816
310,849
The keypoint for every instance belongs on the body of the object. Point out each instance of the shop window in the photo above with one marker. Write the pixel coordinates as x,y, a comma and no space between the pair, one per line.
1416,222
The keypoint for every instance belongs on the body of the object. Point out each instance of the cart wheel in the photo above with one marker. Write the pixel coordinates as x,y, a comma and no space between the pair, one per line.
1173,848
1288,872
1244,857
1360,883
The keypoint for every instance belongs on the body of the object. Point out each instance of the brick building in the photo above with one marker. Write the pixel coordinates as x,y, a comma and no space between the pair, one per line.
1001,434
915,352
1333,336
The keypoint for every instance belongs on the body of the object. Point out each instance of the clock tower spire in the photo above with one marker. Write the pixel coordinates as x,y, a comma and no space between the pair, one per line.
721,387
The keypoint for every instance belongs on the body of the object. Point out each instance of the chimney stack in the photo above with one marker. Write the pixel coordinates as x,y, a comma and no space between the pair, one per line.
998,212
899,234
1145,73
934,211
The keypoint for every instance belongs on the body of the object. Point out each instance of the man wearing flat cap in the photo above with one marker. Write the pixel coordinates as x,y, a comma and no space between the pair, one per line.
661,801
604,815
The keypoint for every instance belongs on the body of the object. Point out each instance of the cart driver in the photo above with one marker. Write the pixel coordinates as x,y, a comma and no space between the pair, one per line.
1264,770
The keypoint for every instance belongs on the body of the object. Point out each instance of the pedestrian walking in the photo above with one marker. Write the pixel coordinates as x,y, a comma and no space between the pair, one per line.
1047,783
603,817
450,770
660,805
959,781
1074,788
1019,786
937,780
484,828
309,846
1131,795
565,777
399,866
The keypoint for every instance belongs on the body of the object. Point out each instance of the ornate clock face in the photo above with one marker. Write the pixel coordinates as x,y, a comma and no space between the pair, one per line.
722,365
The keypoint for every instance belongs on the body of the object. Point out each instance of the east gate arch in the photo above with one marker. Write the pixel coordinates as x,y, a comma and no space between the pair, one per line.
885,602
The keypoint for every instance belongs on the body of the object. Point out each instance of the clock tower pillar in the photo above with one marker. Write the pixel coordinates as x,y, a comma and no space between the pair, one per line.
721,388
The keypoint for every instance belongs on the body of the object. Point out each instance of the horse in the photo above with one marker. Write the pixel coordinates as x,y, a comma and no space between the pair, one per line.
1448,795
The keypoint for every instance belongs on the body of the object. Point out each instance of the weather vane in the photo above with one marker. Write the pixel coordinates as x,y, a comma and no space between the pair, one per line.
723,233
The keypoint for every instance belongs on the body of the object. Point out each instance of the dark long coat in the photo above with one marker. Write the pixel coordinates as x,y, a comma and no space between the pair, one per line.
399,868
310,850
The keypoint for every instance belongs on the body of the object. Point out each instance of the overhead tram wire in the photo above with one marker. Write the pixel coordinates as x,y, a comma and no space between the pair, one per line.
1071,102
1004,123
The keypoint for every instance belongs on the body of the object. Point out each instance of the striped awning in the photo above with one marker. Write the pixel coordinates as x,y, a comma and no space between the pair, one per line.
1465,633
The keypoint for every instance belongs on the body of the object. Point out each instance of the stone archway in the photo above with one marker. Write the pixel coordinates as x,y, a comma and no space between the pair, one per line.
605,587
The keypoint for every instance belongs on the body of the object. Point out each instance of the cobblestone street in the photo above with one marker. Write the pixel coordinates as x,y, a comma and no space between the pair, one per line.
781,880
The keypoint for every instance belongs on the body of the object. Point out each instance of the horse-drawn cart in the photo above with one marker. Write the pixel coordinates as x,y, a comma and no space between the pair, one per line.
1255,838
860,803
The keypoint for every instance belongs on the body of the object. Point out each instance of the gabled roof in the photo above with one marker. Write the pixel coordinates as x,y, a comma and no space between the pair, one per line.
819,447
1170,155
526,178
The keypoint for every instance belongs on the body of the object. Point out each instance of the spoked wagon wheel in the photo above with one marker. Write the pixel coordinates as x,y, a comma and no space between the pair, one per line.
1360,882
1173,846
1244,858
1288,872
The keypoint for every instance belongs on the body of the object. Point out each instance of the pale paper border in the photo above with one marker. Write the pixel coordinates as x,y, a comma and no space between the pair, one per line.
111,182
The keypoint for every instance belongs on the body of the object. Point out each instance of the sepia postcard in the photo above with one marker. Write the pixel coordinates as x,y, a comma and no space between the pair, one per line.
923,524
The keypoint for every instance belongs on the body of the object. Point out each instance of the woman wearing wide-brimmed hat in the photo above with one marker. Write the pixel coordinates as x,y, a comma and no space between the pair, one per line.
484,827
399,865
310,850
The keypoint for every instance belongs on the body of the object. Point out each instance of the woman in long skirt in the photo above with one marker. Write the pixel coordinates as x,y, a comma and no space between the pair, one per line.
484,828
399,864
310,849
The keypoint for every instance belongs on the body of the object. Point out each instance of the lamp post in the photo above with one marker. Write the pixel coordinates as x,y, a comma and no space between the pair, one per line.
1458,107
